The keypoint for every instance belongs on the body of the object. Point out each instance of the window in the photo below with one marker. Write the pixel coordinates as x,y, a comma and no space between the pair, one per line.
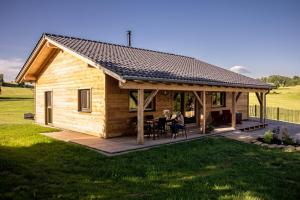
218,99
133,101
84,100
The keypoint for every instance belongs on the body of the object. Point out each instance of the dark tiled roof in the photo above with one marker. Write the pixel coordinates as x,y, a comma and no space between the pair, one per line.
140,64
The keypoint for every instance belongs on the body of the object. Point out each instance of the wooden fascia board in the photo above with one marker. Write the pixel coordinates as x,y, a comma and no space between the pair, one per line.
183,87
26,66
85,59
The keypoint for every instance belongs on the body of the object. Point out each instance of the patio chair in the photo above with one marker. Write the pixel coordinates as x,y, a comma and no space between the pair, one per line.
161,126
216,118
148,128
175,129
226,115
183,130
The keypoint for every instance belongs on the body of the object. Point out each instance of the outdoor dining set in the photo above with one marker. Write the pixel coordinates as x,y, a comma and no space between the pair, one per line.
156,127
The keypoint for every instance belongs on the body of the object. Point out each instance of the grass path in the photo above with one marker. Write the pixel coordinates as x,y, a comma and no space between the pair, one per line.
34,166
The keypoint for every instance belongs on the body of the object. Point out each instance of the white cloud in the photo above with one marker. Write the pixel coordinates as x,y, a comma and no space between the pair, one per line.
240,69
10,67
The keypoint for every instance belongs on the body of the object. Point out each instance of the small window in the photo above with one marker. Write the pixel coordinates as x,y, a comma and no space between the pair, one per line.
84,100
133,101
218,99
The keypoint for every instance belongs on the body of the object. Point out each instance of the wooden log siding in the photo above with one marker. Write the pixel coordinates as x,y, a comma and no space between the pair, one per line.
120,121
64,76
110,116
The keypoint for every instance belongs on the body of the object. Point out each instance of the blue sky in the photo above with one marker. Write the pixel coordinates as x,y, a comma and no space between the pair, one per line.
263,36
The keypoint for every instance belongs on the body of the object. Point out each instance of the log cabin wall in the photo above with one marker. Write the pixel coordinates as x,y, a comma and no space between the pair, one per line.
241,105
120,121
64,76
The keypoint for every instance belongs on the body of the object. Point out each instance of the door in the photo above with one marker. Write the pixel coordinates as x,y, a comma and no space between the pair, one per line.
48,107
185,102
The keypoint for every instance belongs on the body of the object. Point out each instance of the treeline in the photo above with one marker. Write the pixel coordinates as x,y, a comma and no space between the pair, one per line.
13,84
282,81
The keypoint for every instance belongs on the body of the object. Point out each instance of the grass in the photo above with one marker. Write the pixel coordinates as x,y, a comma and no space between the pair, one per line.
284,97
14,102
33,166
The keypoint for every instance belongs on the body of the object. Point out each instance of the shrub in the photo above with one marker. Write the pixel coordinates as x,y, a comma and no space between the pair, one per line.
286,139
210,127
268,136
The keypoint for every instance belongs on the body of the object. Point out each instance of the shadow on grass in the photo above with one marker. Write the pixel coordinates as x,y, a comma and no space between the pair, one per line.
15,98
208,169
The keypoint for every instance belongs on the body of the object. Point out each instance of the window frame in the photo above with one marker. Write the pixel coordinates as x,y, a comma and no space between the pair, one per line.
222,100
80,108
152,103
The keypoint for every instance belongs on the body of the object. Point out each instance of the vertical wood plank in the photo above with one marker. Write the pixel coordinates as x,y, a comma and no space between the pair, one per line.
140,117
204,112
233,116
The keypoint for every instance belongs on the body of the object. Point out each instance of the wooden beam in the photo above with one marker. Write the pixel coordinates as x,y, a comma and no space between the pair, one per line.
184,87
265,107
204,112
140,117
261,108
258,97
29,77
233,116
238,96
150,98
198,98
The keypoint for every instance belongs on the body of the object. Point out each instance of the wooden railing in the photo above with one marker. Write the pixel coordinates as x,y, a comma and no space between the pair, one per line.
276,113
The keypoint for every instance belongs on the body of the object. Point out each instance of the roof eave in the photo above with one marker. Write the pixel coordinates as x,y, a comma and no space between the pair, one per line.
206,82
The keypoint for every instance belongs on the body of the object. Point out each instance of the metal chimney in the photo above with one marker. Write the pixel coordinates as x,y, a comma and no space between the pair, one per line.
129,38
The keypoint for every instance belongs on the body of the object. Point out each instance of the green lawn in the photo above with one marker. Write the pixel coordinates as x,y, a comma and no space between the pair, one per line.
33,166
14,102
284,97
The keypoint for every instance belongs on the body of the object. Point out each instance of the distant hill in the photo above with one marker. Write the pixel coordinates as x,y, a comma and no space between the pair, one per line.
282,81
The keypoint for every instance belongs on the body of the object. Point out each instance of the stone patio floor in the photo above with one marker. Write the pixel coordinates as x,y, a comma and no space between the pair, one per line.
121,145
293,130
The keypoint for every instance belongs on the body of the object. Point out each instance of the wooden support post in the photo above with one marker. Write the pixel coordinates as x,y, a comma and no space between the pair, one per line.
199,107
140,117
255,110
261,108
277,113
265,108
233,116
204,112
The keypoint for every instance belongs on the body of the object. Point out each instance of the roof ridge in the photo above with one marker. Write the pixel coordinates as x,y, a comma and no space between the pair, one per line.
120,45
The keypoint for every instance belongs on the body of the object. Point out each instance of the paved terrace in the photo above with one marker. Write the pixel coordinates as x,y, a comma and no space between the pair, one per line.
121,145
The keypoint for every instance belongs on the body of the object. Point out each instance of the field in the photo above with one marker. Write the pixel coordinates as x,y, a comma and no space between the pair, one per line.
33,166
14,102
285,97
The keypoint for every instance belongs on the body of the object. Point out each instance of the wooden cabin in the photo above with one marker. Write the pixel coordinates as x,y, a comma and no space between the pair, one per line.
106,89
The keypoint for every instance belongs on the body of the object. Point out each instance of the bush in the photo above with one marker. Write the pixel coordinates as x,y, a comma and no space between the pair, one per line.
268,136
288,141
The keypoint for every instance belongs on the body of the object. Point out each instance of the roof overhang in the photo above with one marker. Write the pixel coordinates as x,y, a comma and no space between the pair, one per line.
160,85
44,52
